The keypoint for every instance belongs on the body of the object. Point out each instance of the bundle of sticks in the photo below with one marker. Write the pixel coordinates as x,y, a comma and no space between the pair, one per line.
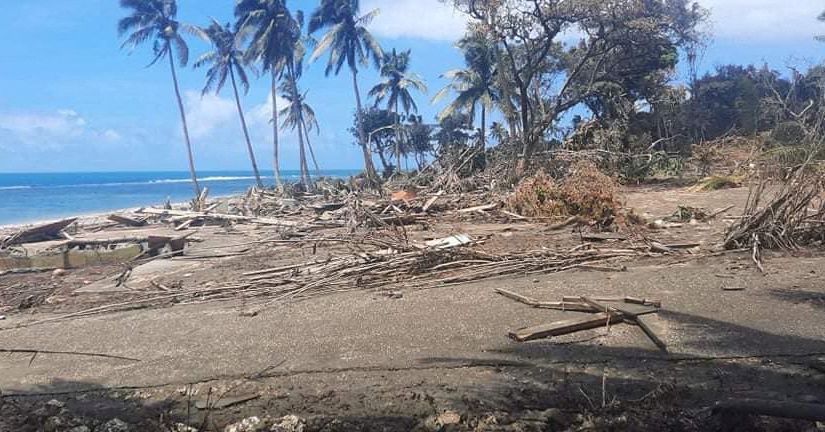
793,217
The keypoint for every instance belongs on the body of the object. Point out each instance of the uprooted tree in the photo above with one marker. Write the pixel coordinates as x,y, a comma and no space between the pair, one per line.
624,48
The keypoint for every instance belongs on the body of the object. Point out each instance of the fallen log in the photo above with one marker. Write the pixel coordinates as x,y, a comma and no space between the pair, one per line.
560,328
772,408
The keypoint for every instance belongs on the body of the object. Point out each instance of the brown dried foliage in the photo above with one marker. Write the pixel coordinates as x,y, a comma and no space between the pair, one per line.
585,192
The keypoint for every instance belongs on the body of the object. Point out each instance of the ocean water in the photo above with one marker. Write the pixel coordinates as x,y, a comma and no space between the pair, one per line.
45,196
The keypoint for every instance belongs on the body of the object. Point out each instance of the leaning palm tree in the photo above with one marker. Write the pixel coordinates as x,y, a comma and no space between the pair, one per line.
156,20
310,123
295,116
474,85
269,23
395,89
226,60
294,112
348,42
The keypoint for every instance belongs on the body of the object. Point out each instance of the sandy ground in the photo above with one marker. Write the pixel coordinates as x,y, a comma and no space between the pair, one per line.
366,361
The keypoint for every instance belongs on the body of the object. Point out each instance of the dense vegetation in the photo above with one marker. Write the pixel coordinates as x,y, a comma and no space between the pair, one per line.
583,75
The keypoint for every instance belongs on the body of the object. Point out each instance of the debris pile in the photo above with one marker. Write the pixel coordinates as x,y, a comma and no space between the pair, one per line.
793,217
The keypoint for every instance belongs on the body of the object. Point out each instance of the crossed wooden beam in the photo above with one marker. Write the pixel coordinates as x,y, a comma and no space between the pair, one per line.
606,312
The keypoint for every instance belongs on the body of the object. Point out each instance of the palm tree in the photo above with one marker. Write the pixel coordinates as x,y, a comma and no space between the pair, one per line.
270,24
297,111
156,20
348,42
474,85
227,60
295,117
395,88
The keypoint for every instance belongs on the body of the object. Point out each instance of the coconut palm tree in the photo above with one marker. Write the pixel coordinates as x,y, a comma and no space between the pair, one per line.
269,24
348,42
474,85
395,89
297,112
226,60
156,20
293,118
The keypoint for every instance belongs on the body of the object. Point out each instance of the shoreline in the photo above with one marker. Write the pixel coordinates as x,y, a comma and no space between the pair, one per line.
91,217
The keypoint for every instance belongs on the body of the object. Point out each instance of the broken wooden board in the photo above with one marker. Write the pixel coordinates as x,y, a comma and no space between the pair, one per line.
217,216
645,326
125,220
562,306
39,233
450,242
560,328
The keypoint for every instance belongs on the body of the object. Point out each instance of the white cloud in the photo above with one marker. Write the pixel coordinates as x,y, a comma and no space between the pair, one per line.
205,114
424,19
762,20
741,20
59,129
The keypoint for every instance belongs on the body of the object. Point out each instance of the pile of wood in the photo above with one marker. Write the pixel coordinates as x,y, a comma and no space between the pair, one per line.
604,312
793,217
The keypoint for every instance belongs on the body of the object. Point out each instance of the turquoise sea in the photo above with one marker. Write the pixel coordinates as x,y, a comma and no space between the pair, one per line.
45,196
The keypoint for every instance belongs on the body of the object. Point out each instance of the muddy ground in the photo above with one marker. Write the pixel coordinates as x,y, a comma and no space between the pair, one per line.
397,359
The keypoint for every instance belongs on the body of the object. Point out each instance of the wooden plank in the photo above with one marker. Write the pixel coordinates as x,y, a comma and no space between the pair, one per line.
44,232
125,220
560,328
517,297
642,323
480,208
217,216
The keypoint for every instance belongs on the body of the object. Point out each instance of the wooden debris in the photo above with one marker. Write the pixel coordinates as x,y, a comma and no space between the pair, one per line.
218,217
125,220
643,324
600,237
565,327
39,233
481,208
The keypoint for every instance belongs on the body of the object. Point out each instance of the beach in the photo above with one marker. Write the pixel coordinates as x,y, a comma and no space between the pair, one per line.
327,307
29,198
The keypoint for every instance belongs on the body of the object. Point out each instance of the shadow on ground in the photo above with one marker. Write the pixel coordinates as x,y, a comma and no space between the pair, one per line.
536,386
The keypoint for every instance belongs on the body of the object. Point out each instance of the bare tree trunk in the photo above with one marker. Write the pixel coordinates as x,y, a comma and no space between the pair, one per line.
483,127
245,130
369,168
397,137
195,184
296,99
311,152
276,162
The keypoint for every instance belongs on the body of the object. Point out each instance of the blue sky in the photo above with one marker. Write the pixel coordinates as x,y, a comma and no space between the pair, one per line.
71,100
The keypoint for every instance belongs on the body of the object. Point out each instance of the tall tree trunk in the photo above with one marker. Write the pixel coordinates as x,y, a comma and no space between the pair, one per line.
195,184
483,127
369,168
245,130
296,99
303,156
311,152
397,137
276,162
